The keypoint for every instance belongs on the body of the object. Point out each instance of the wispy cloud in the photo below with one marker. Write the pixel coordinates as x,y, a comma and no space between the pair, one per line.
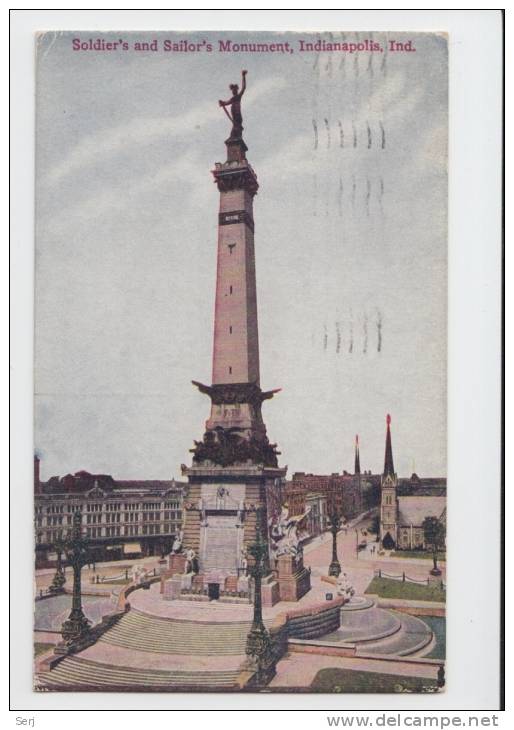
116,199
146,130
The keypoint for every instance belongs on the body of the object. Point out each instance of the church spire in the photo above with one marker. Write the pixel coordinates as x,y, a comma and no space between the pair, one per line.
357,469
388,461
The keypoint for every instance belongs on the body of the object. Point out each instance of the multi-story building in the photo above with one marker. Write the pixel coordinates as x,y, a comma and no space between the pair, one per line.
121,518
347,486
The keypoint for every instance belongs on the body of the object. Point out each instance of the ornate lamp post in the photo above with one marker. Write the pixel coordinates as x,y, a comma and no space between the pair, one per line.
258,644
59,579
335,523
76,625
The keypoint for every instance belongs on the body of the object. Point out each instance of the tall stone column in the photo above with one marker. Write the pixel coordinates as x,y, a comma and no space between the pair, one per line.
234,467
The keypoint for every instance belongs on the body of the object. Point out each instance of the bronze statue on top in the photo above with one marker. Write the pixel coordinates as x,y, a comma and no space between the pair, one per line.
235,102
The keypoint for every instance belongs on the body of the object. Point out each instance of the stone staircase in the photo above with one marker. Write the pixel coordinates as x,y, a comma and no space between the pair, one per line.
141,632
74,672
413,636
375,630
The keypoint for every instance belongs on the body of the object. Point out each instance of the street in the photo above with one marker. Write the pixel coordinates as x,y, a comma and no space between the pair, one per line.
360,566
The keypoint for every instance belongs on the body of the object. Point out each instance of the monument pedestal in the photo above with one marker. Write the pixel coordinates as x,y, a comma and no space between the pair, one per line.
176,563
171,588
221,512
270,591
294,580
176,566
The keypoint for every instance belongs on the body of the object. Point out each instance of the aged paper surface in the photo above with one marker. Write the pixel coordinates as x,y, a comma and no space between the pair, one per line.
254,212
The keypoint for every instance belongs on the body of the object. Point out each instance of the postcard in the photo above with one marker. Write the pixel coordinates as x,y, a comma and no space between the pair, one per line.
240,362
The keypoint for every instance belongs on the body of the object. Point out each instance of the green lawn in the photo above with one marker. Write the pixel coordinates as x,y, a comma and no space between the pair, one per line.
40,648
416,554
348,680
389,588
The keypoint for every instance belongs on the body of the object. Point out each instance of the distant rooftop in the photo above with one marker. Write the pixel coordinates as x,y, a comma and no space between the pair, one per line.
82,482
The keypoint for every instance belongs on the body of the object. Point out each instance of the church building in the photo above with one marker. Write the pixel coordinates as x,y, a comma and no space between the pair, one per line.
402,517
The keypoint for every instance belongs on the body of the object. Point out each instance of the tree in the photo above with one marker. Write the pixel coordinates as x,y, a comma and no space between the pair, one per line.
435,534
388,542
375,526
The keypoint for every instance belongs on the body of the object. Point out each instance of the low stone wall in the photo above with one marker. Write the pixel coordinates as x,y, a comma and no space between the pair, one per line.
317,622
310,622
122,602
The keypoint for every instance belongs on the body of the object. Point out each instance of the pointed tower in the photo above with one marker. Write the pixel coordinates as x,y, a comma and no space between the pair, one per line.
234,480
388,459
357,469
389,501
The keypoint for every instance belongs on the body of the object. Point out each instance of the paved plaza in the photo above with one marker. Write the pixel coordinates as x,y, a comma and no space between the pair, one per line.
183,642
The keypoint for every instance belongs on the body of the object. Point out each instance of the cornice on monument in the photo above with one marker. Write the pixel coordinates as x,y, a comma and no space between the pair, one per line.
235,175
232,393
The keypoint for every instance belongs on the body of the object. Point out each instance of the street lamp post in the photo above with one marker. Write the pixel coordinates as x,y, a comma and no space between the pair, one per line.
335,566
59,579
259,649
76,625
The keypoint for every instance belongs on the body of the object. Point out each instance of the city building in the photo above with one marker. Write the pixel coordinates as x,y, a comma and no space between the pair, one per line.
121,518
402,514
355,493
415,486
348,486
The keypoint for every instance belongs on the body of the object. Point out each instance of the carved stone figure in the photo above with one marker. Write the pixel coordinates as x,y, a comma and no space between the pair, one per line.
235,103
221,495
344,587
284,536
226,446
177,543
240,513
191,565
138,573
244,562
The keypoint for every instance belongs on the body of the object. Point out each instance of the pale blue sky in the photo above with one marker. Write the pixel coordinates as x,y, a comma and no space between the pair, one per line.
347,237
